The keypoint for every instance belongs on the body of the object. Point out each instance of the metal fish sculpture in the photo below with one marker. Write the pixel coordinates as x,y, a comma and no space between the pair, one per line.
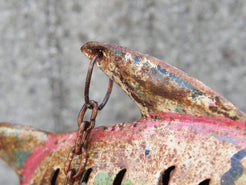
188,134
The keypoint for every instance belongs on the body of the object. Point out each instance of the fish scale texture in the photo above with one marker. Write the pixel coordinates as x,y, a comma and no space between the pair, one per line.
43,71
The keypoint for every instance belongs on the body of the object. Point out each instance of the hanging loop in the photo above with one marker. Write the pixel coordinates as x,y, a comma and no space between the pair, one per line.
84,128
87,85
80,146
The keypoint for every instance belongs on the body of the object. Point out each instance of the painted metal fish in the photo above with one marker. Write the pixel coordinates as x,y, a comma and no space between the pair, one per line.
188,134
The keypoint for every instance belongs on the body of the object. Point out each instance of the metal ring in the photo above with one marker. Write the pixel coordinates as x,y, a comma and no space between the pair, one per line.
79,141
82,164
87,86
94,107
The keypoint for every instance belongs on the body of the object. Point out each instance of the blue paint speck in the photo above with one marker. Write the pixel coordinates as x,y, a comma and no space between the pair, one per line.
147,152
118,52
136,60
20,157
174,78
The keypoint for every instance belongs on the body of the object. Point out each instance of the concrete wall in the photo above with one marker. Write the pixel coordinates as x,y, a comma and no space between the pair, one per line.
43,72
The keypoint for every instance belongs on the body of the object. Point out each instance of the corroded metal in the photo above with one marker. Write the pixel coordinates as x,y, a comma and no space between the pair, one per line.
158,87
84,128
188,134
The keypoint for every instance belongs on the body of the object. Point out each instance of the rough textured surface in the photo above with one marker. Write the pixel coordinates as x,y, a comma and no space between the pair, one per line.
43,71
196,151
156,86
173,142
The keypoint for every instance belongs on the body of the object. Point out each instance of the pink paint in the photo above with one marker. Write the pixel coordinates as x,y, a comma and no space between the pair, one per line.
52,143
181,125
221,121
206,126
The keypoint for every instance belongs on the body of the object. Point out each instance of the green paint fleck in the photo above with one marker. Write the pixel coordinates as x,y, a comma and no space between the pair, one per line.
203,112
179,109
104,178
241,180
20,157
128,182
16,133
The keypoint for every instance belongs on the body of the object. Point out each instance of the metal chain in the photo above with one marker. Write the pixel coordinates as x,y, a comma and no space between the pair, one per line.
84,128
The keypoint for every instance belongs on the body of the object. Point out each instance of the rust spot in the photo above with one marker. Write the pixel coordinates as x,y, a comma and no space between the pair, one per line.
217,101
129,61
141,156
121,126
213,108
113,128
226,114
153,71
145,69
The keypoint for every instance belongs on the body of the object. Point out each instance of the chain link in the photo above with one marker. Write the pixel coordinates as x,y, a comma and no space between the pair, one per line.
84,128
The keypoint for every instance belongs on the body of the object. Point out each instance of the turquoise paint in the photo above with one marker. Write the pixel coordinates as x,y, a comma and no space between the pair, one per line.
20,157
16,133
203,112
5,133
16,127
179,109
223,138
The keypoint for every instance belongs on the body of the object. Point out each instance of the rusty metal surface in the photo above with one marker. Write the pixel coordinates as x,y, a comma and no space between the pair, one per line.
34,154
187,132
156,86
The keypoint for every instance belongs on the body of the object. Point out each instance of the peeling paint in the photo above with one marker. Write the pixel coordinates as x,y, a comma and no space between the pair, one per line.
184,124
20,157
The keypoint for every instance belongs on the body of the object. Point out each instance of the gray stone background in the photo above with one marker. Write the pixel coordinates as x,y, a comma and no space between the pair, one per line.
43,71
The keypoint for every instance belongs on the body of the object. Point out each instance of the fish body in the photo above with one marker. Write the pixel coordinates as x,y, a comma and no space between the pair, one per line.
188,134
